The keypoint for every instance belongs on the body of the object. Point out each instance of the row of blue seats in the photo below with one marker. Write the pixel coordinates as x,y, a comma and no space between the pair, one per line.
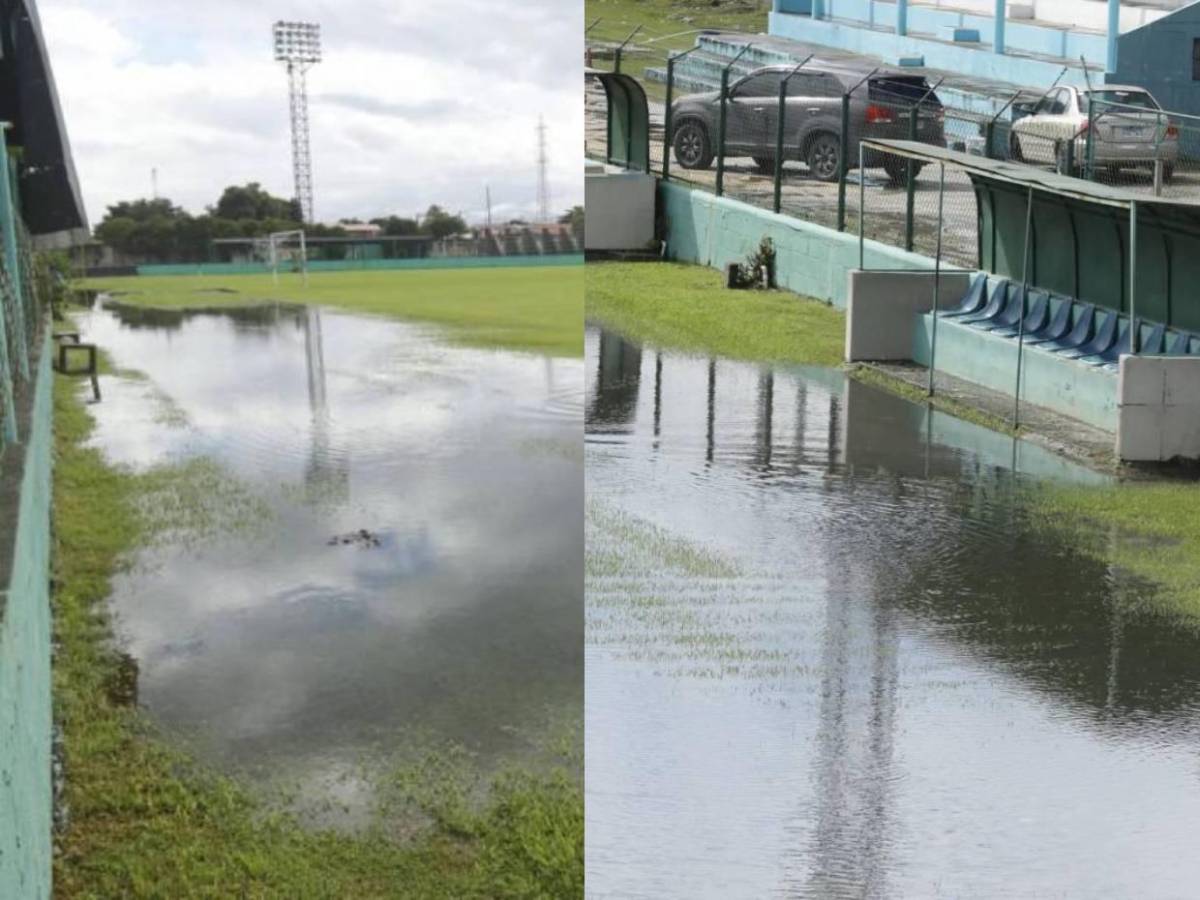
1069,327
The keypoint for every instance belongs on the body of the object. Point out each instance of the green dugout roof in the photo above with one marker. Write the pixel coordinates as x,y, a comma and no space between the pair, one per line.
1080,241
628,120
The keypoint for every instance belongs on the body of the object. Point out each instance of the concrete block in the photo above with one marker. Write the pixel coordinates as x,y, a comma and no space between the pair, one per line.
1139,433
1181,432
882,305
1182,378
1141,381
915,62
960,35
620,206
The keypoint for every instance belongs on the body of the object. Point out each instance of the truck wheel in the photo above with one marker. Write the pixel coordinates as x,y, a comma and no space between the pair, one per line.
897,170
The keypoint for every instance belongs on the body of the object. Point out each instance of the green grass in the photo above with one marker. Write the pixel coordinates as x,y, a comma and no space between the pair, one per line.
663,20
688,308
147,821
1148,528
535,309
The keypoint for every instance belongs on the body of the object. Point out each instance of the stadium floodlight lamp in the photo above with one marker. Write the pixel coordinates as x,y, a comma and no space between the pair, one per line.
297,42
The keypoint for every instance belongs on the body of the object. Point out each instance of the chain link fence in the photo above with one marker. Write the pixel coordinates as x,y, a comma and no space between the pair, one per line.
786,138
22,318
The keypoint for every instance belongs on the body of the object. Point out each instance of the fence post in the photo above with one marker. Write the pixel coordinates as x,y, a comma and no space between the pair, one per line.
1024,299
910,183
12,259
721,133
668,124
937,276
844,163
1133,322
779,144
989,137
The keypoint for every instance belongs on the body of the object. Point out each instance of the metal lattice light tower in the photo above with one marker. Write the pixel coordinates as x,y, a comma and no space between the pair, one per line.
543,188
298,44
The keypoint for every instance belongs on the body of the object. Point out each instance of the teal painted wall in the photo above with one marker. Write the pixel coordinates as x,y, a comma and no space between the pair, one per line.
1083,392
25,707
360,265
809,259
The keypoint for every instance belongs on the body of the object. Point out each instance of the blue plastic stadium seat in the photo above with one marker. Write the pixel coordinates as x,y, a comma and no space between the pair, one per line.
1080,334
1104,337
1038,315
1110,357
1057,326
973,300
1178,343
995,305
1010,313
1153,343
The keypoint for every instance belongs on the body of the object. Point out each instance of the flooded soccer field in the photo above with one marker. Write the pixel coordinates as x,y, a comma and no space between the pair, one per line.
371,542
833,652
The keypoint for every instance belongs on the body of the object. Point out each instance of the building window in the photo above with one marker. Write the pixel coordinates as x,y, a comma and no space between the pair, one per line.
1196,59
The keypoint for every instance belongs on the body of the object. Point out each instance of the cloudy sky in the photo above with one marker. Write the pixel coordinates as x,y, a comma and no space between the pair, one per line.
416,102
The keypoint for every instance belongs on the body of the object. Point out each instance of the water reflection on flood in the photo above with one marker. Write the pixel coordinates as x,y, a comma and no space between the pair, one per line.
276,650
829,656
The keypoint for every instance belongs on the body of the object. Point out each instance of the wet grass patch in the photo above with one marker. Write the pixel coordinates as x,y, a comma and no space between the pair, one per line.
146,820
1148,528
534,309
876,378
688,308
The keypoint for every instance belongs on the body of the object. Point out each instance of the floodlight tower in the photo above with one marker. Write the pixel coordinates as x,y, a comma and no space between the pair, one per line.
543,186
298,45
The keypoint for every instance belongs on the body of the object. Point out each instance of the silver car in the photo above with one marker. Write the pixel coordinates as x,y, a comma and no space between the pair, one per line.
1130,130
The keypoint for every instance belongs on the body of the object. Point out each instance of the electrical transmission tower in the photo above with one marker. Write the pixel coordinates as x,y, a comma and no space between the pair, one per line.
298,45
543,189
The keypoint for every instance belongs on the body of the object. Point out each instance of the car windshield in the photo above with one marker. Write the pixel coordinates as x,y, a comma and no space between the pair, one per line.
1140,99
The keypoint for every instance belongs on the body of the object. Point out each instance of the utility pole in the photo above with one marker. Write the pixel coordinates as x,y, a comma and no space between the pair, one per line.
154,184
488,194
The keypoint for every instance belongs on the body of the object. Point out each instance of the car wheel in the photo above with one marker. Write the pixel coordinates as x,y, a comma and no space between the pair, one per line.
692,147
824,157
765,164
1014,147
897,170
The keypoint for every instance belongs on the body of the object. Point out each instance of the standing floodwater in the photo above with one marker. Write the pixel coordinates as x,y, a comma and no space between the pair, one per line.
395,551
831,655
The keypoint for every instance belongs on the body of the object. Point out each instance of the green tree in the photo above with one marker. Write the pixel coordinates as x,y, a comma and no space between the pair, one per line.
574,218
250,201
396,226
439,224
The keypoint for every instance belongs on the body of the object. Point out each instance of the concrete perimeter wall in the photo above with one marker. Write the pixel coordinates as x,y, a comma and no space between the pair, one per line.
809,259
359,265
25,707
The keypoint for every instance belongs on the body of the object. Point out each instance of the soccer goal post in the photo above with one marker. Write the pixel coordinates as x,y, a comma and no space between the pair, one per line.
288,246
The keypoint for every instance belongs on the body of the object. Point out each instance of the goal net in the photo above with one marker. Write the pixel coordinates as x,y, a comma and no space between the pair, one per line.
286,251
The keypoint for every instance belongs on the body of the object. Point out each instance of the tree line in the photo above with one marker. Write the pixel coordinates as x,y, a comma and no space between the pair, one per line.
159,231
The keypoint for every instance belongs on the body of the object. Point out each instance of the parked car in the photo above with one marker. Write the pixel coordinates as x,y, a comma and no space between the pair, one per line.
880,108
1129,130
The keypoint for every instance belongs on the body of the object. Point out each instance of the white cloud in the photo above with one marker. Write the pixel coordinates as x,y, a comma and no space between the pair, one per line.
415,103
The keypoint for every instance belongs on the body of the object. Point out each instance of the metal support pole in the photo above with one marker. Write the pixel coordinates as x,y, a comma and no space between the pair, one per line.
998,36
989,130
1021,321
1114,32
721,120
621,49
1133,322
779,132
910,182
721,133
668,123
937,275
844,163
901,17
862,215
1090,144
12,257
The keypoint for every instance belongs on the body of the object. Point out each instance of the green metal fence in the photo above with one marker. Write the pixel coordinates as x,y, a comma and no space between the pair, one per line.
21,313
